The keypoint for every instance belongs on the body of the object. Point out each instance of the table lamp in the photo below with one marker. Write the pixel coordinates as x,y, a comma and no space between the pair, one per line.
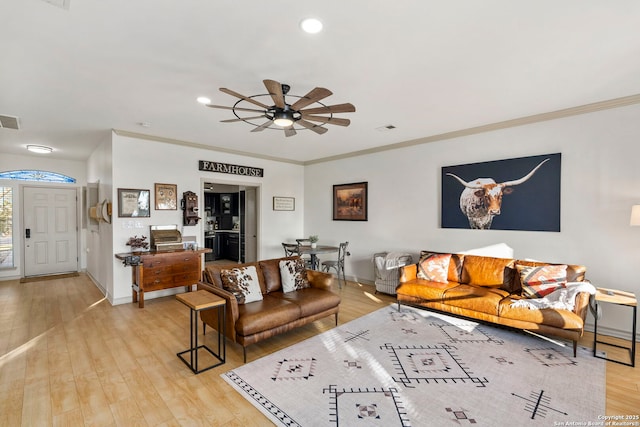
635,215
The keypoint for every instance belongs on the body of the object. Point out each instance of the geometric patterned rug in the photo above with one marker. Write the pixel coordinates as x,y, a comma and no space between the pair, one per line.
420,368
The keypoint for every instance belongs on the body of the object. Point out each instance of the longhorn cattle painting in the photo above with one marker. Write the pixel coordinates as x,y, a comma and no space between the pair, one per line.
513,194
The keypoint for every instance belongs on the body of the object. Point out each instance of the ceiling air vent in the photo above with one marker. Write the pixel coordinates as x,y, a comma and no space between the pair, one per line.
9,122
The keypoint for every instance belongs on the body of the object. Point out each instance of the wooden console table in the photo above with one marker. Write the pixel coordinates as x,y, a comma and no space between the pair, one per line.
156,270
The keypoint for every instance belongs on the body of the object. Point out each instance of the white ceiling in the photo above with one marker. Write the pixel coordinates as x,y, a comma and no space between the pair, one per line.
425,66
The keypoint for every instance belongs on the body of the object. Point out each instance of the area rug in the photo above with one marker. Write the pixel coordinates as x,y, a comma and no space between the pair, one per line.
419,368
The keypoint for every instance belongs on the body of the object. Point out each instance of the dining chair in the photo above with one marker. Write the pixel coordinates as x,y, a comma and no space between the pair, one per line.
290,249
338,264
306,258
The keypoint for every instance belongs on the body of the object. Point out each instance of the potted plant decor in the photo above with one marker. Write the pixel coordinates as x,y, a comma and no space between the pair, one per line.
314,240
138,243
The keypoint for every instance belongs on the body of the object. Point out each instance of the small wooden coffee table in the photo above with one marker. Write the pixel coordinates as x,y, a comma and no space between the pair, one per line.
199,301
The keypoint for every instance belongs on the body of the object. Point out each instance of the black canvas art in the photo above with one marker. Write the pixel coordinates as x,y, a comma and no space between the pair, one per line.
512,194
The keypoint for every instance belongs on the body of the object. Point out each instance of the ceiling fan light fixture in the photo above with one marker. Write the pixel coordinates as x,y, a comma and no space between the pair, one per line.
311,25
282,119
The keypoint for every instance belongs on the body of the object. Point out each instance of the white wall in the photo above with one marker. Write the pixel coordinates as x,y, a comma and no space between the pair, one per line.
99,242
600,183
139,164
10,162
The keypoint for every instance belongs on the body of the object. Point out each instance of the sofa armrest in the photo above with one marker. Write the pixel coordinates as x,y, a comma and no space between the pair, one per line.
319,279
408,272
581,305
231,309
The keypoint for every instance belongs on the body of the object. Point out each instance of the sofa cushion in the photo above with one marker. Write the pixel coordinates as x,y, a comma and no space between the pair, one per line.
424,289
293,275
310,300
434,267
557,318
271,272
243,283
575,273
475,298
211,273
541,280
488,271
455,265
264,315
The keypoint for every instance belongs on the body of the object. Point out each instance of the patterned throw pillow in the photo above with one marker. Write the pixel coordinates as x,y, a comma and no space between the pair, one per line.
243,283
293,275
434,267
542,280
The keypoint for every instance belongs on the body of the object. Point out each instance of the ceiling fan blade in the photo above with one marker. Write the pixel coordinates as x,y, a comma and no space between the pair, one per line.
224,107
314,95
275,90
290,131
316,128
330,120
262,126
244,98
338,108
242,120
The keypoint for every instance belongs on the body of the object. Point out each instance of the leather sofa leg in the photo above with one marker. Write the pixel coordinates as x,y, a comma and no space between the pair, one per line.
575,348
244,354
336,319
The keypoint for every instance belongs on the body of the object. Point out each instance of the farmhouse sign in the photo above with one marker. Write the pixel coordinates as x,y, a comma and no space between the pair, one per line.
204,165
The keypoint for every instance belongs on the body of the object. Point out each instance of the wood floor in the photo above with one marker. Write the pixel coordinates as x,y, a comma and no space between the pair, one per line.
68,358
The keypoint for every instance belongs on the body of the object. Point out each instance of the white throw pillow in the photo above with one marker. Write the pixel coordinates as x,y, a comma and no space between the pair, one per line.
243,283
293,275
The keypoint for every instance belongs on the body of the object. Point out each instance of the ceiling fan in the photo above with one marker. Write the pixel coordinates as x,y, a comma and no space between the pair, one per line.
286,116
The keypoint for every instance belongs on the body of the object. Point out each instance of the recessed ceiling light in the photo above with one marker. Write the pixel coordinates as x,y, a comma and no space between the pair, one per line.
203,100
41,149
311,25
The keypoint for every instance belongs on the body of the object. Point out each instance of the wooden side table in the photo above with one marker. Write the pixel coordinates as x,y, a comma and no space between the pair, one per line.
197,302
628,299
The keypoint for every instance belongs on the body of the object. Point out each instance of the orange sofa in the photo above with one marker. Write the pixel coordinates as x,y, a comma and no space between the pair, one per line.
485,288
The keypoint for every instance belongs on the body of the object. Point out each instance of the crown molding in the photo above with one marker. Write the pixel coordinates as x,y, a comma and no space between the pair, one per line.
521,121
126,133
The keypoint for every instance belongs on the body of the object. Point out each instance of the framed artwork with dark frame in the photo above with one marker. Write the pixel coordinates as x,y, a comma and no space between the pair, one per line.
166,197
134,203
350,202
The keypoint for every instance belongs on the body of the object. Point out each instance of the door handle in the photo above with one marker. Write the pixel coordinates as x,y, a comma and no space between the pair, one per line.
27,233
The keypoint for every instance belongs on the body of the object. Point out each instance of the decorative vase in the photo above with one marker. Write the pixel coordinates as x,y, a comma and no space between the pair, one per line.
313,245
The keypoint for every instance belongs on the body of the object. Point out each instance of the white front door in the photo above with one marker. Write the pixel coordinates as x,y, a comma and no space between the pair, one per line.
50,230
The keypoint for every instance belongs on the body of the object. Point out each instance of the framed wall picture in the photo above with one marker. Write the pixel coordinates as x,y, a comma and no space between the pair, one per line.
284,203
166,197
350,202
512,194
134,203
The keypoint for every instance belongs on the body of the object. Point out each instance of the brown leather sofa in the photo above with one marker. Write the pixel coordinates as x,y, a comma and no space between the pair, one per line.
483,288
277,312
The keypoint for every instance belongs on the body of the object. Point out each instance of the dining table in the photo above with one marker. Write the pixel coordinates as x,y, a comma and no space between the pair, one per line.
313,252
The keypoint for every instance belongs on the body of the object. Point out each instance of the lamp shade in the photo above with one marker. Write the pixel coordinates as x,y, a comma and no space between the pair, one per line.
635,215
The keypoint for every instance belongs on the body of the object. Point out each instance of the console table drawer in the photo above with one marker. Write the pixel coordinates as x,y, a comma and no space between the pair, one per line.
188,278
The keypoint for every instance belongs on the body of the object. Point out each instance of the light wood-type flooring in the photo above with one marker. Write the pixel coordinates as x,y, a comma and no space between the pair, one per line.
69,358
